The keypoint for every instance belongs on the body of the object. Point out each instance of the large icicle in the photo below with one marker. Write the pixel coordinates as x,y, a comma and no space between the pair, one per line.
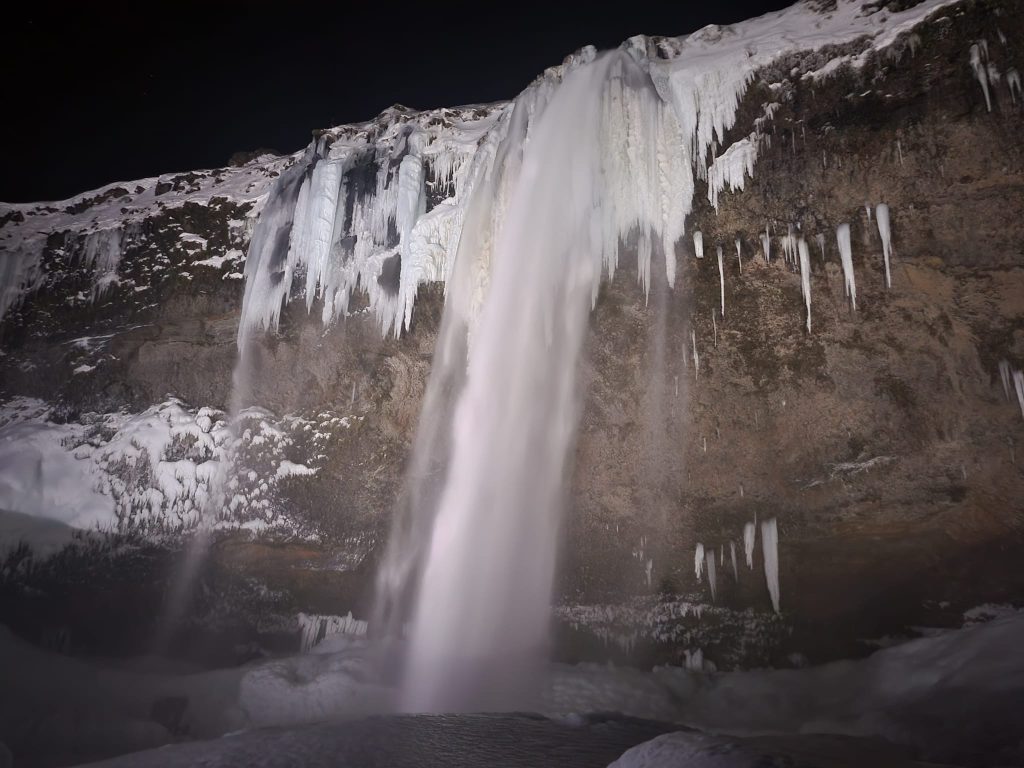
721,279
698,245
882,217
846,258
770,550
805,277
698,560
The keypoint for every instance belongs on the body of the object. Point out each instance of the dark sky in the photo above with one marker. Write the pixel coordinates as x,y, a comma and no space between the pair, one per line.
98,92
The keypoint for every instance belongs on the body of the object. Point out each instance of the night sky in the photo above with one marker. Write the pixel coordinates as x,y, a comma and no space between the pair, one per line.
100,92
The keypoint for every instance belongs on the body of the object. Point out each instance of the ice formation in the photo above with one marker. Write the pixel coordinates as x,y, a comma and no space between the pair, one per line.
770,550
696,357
732,555
698,245
1005,377
709,561
749,534
846,258
766,245
739,255
882,217
979,57
721,279
805,277
1013,83
1018,385
698,560
732,167
315,628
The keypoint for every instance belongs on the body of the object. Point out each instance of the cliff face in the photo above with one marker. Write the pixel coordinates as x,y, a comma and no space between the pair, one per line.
881,441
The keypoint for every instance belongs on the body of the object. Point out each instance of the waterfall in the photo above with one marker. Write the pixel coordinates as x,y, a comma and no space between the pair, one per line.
490,466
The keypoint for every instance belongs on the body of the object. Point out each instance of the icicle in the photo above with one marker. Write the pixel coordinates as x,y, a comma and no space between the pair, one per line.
705,445
846,257
721,279
980,72
698,560
732,554
1013,83
721,554
882,216
805,278
770,549
709,562
648,569
766,245
696,357
1018,384
820,238
714,326
352,400
749,535
739,255
1005,376
698,245
899,151
867,207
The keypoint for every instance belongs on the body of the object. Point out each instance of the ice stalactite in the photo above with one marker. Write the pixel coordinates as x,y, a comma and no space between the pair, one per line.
749,534
698,560
732,167
766,245
1013,83
805,277
846,258
1005,377
314,628
867,208
739,255
709,562
696,357
882,217
789,246
770,550
698,245
732,555
820,239
1018,385
721,279
979,57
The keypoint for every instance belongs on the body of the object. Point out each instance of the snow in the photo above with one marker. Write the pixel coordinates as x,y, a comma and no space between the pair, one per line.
154,469
846,258
98,226
882,217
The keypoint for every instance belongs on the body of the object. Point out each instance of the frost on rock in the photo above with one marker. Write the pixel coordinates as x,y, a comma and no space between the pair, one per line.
770,550
882,217
846,258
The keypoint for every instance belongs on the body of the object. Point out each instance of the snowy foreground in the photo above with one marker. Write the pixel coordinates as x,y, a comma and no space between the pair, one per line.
954,697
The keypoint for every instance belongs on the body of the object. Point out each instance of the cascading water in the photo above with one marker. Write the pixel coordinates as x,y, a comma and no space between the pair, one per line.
574,176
